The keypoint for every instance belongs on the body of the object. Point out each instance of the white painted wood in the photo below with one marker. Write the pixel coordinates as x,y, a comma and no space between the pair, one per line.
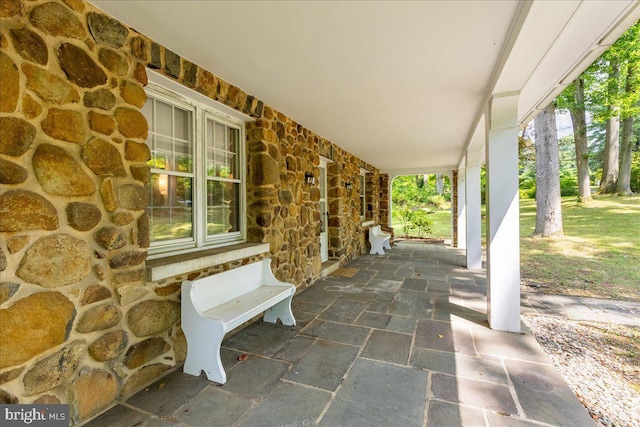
503,226
163,268
379,240
233,312
324,212
214,305
462,210
473,217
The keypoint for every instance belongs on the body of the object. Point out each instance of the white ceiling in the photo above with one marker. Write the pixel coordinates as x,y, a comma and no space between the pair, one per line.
402,85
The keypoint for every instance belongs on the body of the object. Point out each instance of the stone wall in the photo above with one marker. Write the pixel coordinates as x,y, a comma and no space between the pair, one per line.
284,211
75,314
79,323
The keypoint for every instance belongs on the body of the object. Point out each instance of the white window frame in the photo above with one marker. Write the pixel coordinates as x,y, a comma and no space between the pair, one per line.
363,194
167,91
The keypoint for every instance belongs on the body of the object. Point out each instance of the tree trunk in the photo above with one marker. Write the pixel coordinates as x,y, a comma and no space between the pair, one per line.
439,183
612,139
624,178
548,202
579,121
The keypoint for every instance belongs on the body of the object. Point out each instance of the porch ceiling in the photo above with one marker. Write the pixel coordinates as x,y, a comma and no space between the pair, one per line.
402,85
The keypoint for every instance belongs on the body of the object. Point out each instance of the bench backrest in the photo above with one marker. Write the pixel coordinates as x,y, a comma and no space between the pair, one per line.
376,230
219,288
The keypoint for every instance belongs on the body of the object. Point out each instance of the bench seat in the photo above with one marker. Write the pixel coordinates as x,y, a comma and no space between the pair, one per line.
234,312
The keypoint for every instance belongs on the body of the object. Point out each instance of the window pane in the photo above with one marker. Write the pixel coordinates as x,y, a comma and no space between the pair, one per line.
170,207
162,153
222,146
220,137
164,119
213,157
184,159
223,207
182,123
232,159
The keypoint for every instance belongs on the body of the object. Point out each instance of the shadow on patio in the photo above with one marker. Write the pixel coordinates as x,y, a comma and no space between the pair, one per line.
404,342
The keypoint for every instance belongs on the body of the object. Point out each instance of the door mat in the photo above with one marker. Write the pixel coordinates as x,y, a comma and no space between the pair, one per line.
345,272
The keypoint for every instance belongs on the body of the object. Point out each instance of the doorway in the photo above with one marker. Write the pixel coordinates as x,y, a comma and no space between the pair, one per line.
324,212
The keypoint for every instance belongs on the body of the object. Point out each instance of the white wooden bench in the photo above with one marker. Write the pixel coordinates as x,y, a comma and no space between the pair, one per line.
379,240
214,305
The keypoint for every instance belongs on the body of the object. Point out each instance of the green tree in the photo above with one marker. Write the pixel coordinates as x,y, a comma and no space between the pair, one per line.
573,99
629,47
614,98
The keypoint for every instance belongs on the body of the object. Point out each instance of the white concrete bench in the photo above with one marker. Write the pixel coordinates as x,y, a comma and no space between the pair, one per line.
214,305
379,240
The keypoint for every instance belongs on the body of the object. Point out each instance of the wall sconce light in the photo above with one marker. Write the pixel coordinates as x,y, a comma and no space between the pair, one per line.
309,178
348,186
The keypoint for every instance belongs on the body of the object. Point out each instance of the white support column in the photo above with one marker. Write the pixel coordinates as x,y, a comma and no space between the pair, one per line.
462,210
503,214
474,215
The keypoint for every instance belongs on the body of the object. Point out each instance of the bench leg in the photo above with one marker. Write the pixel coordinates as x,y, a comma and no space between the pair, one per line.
386,244
376,247
203,354
282,311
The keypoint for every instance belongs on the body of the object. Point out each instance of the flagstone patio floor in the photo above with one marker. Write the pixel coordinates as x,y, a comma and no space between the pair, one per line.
404,342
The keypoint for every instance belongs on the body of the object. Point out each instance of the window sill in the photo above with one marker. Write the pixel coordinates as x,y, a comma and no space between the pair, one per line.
367,223
162,268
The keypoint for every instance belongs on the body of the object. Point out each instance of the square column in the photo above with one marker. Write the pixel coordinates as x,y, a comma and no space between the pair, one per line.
473,217
462,210
503,215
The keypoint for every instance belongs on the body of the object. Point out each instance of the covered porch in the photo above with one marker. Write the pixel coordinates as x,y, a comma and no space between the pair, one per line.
411,88
404,342
284,123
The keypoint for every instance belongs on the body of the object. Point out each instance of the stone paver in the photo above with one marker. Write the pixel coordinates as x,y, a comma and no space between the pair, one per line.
378,394
447,414
255,376
404,342
200,409
577,308
338,332
479,394
324,365
288,405
544,396
388,347
444,336
167,395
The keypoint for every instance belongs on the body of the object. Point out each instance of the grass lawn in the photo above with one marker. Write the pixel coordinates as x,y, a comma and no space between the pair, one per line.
599,255
441,226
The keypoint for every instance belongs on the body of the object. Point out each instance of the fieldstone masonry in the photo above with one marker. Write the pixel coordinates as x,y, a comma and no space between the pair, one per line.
79,322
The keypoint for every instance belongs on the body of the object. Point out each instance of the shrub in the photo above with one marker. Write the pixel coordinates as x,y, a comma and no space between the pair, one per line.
439,201
635,172
568,183
406,215
423,224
